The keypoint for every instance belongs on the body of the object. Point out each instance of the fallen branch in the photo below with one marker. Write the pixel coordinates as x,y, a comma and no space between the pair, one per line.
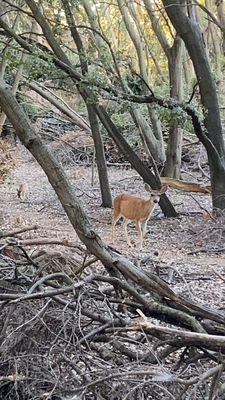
154,284
15,298
4,234
186,186
42,242
174,336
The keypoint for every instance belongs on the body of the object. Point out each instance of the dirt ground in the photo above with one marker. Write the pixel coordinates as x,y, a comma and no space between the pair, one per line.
188,252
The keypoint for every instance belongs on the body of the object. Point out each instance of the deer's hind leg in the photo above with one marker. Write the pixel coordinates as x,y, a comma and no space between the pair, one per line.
116,215
144,227
126,221
115,218
140,233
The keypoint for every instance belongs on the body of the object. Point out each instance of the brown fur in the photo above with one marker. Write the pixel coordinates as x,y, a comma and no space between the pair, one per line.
133,208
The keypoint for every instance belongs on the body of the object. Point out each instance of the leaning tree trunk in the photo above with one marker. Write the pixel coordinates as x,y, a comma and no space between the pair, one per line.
192,37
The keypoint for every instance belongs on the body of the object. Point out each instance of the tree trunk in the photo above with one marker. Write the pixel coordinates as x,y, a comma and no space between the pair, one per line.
18,76
155,146
141,30
174,145
188,71
35,34
100,158
192,37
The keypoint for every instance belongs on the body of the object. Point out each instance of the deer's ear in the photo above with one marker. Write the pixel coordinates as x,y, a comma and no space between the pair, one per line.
148,188
163,189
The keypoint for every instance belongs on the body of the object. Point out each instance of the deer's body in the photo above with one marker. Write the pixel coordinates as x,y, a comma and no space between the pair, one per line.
22,191
136,209
132,207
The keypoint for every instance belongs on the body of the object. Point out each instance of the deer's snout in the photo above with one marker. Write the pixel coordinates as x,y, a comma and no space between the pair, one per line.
155,201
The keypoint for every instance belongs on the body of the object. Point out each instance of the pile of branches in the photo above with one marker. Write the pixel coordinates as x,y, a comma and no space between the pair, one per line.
70,330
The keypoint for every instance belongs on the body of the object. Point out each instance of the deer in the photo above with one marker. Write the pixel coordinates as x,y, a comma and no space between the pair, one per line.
22,191
137,209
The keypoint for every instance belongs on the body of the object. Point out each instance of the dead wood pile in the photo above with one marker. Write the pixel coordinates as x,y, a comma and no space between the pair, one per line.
69,330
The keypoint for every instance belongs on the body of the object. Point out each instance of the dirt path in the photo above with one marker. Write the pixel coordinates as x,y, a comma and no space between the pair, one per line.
168,241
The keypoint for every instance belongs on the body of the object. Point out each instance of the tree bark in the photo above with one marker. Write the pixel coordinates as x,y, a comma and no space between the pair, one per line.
100,158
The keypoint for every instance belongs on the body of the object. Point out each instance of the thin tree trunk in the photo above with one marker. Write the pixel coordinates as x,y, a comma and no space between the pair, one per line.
35,28
100,158
18,76
155,146
174,145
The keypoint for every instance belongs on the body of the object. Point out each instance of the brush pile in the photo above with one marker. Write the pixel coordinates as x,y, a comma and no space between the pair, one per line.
72,330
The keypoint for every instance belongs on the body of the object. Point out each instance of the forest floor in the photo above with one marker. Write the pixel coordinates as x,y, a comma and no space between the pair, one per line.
188,252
